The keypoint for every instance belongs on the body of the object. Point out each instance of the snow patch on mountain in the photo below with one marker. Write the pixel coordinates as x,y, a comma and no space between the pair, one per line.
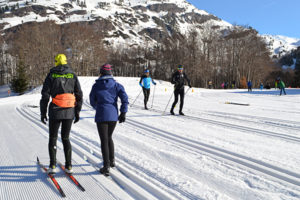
280,45
134,22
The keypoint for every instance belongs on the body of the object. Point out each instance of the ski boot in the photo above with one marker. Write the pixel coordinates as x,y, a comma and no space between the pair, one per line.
112,163
68,169
104,171
52,169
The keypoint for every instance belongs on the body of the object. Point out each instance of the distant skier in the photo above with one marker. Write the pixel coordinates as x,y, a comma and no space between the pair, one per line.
178,79
145,84
233,84
261,86
281,86
210,84
62,85
249,84
223,85
103,97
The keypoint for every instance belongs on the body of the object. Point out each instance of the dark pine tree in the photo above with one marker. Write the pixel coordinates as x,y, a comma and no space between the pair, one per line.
19,83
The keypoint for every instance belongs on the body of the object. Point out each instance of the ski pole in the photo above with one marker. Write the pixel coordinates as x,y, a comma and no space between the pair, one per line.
168,102
136,98
187,91
153,96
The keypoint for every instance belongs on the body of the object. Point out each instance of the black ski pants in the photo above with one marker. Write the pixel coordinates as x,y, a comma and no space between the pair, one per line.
146,95
177,93
54,125
105,130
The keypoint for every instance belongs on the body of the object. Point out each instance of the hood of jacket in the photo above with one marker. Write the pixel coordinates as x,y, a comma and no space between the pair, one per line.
61,69
105,82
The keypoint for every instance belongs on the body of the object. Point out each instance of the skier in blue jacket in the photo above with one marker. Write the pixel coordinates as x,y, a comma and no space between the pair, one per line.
145,84
103,97
249,84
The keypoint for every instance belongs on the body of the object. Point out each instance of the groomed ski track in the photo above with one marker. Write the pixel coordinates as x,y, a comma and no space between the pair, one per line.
129,180
136,188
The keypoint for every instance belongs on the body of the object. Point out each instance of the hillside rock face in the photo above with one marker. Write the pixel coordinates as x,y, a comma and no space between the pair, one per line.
125,22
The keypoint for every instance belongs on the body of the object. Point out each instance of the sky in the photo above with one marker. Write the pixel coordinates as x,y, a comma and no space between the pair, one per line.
275,17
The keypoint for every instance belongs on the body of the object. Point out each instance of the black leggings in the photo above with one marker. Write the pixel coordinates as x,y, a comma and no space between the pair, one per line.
146,95
66,125
105,130
176,93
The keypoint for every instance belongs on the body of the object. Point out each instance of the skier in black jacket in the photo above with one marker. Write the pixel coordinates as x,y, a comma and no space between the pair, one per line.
178,79
62,85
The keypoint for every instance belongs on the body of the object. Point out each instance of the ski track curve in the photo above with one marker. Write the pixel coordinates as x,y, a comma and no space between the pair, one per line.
253,164
171,187
85,151
258,166
265,168
43,130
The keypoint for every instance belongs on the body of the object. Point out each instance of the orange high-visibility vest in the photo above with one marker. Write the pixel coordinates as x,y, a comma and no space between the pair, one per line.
66,100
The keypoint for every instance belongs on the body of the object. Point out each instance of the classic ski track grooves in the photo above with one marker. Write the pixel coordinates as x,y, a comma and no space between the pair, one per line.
240,127
260,166
265,122
76,149
285,124
122,179
183,193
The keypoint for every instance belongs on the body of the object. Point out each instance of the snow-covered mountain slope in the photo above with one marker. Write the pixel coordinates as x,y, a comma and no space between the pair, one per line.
280,45
128,22
217,151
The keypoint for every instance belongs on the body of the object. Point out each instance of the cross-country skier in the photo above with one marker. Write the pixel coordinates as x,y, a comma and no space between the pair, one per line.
249,84
178,79
62,85
281,86
103,97
145,84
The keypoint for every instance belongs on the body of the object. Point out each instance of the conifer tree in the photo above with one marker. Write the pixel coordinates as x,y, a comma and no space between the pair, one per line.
19,83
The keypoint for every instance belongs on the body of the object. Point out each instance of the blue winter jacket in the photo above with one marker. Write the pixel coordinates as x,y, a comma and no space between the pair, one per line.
104,96
249,84
145,81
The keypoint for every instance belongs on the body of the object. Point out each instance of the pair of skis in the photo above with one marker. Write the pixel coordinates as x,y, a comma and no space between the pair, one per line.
58,187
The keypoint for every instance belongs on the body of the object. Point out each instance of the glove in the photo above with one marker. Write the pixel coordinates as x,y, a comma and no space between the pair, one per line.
154,83
122,117
44,119
76,118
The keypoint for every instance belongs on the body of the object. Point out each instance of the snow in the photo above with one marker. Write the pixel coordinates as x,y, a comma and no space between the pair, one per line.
217,151
281,44
290,67
278,45
93,11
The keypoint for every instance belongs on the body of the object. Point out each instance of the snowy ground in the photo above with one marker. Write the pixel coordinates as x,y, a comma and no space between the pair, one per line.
217,151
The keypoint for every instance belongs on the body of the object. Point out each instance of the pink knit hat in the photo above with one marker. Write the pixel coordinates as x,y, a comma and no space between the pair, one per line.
105,69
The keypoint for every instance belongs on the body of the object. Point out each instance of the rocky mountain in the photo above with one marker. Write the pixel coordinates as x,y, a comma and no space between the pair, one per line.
128,22
280,45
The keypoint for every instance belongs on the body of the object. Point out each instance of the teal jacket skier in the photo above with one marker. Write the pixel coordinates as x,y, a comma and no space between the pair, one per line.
145,83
